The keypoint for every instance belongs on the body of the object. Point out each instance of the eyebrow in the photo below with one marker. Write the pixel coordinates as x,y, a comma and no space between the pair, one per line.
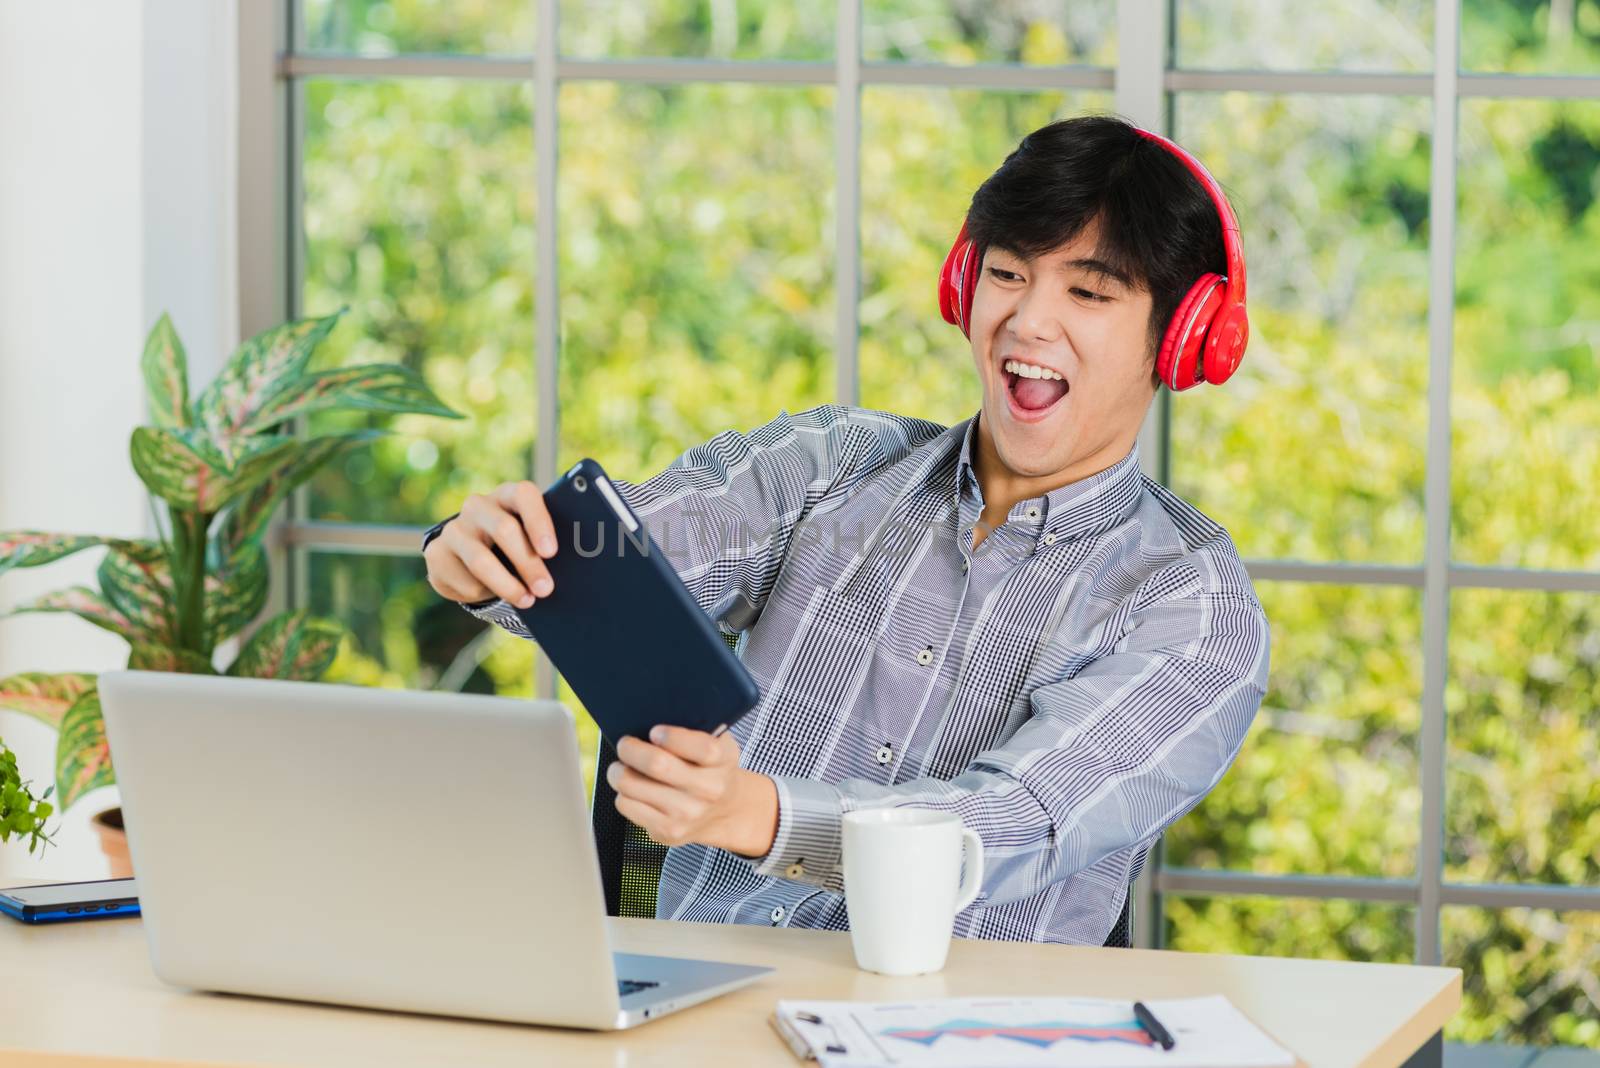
1098,267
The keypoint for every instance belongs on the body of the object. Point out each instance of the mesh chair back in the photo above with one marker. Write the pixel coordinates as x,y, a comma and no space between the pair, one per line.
1121,936
630,863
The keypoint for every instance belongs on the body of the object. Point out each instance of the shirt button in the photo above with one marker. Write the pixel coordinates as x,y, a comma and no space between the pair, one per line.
1049,539
965,565
925,657
1032,513
777,915
795,870
885,754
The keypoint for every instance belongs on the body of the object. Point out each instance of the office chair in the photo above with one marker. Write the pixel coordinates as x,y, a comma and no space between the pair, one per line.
630,863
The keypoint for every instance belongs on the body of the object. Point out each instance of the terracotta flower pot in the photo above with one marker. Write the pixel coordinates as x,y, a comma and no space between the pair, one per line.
114,842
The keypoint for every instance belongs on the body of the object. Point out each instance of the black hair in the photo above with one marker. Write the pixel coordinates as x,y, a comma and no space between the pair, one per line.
1158,227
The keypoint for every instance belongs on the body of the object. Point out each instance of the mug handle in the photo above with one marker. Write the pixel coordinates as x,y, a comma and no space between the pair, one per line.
972,873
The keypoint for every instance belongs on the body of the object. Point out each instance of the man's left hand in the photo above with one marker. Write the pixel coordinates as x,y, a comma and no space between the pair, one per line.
687,786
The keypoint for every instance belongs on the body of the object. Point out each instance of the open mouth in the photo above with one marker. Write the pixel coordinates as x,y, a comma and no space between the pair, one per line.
1032,391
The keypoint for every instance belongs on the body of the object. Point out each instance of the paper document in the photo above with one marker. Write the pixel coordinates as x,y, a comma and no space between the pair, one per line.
1024,1032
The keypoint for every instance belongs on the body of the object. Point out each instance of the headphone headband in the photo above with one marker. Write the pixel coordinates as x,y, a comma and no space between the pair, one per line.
1233,251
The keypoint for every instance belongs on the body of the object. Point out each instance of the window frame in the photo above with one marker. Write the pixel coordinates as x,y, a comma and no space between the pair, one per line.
273,69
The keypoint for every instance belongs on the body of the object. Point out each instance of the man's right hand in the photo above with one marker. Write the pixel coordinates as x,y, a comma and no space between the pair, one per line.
463,567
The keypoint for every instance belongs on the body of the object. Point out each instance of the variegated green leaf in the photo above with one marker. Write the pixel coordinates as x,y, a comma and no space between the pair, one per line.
166,375
30,548
293,645
87,604
185,469
146,657
83,759
42,695
177,466
236,594
249,515
141,550
141,589
255,372
375,387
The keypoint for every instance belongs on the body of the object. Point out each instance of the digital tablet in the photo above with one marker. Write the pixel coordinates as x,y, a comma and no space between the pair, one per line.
621,627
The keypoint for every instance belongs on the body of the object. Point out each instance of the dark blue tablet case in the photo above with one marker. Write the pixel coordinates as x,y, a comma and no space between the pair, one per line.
621,626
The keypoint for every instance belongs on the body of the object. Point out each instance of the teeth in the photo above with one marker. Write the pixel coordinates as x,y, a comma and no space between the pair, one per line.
1028,370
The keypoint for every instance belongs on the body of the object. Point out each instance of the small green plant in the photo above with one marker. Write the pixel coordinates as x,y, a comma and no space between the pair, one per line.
217,466
21,814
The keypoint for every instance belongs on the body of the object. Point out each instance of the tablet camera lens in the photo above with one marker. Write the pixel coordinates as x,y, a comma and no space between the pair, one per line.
580,483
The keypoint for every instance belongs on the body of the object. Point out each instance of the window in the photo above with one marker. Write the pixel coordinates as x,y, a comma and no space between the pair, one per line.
617,228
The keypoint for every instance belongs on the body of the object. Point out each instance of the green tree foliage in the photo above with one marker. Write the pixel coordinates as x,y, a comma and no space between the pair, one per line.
696,258
418,213
710,206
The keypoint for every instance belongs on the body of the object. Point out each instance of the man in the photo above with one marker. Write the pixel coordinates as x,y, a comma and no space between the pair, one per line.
1002,618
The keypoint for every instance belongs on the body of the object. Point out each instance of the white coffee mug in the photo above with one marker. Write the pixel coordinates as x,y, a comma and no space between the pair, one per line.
904,883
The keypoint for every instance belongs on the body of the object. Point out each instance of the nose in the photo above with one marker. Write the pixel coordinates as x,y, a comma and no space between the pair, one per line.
1032,319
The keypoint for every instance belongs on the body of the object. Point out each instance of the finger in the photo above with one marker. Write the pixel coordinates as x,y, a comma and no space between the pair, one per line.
695,747
506,530
469,539
487,569
451,579
668,800
657,763
489,524
527,501
654,822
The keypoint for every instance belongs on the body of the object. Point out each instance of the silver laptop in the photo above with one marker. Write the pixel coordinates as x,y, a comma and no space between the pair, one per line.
425,852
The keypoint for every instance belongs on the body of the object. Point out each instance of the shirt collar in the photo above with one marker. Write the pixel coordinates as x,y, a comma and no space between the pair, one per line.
1088,506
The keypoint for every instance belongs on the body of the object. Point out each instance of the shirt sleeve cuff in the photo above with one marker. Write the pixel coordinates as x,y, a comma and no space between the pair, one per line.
501,614
807,846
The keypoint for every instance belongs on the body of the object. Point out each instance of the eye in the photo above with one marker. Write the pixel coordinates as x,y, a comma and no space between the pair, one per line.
1086,294
1003,275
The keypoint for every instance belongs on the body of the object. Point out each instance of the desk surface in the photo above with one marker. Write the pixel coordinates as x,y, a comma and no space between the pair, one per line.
86,988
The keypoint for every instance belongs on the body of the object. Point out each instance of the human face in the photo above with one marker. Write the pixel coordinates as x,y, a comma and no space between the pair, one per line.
1063,312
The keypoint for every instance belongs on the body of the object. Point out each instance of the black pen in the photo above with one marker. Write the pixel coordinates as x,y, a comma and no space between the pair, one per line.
812,1018
1148,1021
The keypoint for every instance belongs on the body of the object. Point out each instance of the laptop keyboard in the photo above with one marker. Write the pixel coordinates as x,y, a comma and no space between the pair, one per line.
632,986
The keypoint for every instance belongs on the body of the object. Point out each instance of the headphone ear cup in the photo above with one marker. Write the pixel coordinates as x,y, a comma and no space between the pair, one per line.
1178,360
958,280
969,285
1224,344
947,291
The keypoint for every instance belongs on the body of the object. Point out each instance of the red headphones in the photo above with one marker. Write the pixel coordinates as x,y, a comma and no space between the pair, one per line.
1204,341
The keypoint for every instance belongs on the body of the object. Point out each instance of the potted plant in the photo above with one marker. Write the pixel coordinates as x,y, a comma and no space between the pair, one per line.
218,465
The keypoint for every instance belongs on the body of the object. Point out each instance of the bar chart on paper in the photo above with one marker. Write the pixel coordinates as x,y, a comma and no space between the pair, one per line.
1042,1034
1024,1032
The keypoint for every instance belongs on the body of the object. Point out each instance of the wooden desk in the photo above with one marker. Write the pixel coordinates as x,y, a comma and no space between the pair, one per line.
76,992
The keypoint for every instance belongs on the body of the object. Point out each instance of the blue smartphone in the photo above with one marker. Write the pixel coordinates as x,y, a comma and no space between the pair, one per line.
621,626
58,902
